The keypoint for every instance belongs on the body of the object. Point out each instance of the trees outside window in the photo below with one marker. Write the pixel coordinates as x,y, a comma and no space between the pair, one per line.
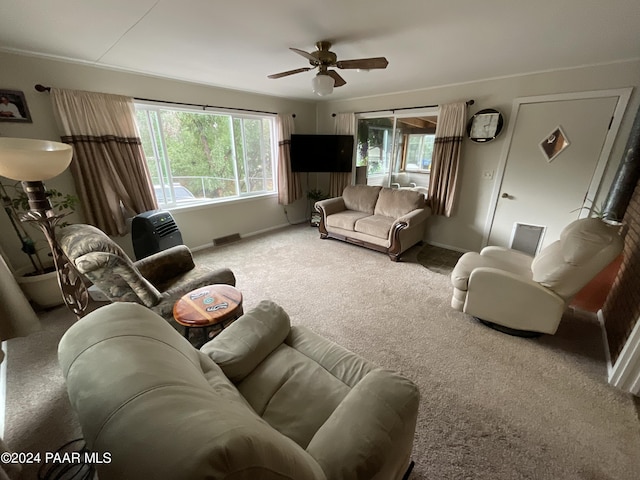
197,156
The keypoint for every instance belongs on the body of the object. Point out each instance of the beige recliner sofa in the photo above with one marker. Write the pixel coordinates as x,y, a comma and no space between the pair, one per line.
263,400
383,219
522,295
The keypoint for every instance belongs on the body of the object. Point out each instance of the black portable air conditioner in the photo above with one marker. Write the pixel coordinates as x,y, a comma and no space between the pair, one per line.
152,232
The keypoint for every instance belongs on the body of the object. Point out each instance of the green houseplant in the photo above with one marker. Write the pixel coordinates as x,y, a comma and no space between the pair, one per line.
314,195
39,279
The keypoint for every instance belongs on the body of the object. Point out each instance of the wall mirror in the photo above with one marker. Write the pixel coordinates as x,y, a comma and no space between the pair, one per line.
485,125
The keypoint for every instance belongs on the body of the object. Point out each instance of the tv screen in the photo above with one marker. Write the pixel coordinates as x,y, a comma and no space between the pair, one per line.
321,153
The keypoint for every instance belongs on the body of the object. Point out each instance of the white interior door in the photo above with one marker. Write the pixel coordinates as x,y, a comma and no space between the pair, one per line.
550,193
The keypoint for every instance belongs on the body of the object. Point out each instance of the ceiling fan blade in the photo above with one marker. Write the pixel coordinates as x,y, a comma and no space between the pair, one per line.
306,55
290,72
364,63
339,81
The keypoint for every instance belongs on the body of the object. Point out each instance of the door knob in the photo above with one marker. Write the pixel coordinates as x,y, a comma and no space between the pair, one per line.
505,195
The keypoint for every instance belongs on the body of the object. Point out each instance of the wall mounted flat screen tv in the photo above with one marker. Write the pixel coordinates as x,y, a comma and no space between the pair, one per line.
321,153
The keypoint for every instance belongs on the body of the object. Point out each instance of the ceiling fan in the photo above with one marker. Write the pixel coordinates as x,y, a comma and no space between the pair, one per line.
322,59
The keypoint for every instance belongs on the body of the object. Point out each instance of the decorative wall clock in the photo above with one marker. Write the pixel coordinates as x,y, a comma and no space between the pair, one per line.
485,125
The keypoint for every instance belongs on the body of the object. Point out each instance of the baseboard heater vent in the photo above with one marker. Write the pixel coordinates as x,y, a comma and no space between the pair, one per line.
234,237
527,238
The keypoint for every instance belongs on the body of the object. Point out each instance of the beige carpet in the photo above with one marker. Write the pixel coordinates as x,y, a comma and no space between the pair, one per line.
493,406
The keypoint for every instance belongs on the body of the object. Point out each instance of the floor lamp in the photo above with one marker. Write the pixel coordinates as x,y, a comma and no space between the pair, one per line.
32,161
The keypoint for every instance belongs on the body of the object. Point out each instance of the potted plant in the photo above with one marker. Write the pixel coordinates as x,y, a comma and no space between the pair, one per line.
38,280
314,195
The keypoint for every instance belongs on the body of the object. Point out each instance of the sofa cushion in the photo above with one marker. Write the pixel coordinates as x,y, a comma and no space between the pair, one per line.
396,203
315,376
375,225
361,198
292,393
255,335
345,220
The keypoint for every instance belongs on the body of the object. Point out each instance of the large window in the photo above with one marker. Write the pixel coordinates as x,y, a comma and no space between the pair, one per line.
196,157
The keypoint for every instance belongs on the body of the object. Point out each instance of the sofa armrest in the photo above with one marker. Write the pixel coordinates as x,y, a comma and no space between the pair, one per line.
376,424
507,254
414,217
330,206
510,299
240,347
161,266
344,365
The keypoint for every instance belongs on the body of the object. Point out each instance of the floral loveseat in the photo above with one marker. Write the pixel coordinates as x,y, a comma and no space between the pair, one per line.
383,219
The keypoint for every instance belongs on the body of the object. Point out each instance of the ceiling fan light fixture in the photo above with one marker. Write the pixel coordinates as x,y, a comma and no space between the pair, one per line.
322,84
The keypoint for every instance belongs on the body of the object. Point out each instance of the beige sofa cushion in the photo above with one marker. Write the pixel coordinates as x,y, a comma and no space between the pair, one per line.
396,203
346,220
361,198
375,225
255,335
319,375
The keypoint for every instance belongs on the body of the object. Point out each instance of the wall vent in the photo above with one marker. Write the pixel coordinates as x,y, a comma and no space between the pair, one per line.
234,237
527,238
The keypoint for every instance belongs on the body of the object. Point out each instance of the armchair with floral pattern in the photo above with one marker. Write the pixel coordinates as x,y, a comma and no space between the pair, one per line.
156,281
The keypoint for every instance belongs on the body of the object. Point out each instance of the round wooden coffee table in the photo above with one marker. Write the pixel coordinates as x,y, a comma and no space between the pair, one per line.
209,309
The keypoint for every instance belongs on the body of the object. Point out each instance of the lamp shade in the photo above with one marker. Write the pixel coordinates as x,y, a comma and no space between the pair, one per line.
322,84
28,159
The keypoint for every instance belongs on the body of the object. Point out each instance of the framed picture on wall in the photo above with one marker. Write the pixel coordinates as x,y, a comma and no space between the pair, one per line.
13,107
554,143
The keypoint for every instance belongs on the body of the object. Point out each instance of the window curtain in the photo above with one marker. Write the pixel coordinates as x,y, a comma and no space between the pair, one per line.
109,168
289,184
345,125
446,157
17,319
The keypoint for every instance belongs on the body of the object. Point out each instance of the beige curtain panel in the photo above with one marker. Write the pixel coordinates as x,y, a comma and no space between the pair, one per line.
446,157
289,184
109,169
17,318
345,125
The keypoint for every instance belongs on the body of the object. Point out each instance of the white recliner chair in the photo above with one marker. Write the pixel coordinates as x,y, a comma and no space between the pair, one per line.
522,295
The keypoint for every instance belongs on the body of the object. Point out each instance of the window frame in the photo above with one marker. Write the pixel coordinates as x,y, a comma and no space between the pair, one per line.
167,176
394,158
419,169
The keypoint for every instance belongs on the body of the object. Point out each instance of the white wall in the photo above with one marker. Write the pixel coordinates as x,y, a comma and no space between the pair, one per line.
464,230
199,226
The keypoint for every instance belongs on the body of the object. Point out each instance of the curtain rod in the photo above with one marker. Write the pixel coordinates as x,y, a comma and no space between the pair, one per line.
42,88
393,110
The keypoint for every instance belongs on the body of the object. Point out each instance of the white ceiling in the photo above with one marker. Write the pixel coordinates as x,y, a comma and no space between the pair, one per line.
237,43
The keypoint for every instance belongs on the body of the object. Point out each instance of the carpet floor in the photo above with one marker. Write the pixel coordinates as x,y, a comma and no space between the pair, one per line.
438,259
492,406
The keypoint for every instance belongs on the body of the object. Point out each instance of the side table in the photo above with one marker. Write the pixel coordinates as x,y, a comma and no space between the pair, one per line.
209,309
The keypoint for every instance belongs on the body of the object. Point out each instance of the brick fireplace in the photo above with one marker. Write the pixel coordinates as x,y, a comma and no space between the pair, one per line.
621,309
